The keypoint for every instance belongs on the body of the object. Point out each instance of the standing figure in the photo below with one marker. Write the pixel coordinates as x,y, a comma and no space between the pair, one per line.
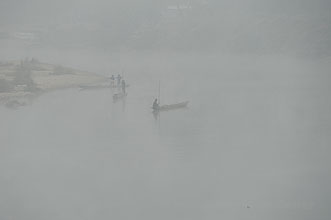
119,79
155,105
112,81
123,86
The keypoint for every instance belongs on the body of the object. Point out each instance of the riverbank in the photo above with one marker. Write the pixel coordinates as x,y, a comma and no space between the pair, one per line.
22,81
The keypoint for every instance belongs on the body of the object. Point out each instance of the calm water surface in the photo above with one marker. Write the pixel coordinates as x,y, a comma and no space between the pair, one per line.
248,147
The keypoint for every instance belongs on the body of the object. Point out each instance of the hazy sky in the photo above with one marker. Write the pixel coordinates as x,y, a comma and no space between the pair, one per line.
37,10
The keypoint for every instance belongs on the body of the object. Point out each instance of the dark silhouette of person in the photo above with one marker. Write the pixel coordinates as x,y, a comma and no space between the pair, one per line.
112,80
119,79
155,105
123,86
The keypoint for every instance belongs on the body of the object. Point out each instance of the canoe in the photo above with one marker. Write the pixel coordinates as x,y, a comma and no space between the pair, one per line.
118,87
119,96
172,106
89,87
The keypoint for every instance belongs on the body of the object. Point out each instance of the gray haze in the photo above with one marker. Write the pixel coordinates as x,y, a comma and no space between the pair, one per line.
253,144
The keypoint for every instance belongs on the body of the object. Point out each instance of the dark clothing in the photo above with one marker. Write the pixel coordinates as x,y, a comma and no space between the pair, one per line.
119,80
155,105
112,81
123,86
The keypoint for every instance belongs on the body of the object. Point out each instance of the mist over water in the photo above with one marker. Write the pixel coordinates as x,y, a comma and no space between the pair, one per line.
252,144
250,138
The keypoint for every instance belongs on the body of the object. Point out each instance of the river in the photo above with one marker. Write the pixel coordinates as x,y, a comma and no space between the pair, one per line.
253,143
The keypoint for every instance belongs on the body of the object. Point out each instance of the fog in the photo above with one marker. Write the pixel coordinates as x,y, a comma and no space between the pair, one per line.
253,142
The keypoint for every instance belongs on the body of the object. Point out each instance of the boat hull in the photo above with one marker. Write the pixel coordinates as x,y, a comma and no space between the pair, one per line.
90,87
119,96
172,106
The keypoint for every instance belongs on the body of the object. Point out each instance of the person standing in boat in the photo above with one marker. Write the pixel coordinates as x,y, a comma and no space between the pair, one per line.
123,86
155,105
118,79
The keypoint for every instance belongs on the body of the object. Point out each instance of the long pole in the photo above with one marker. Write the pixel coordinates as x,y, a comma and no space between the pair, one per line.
159,105
159,92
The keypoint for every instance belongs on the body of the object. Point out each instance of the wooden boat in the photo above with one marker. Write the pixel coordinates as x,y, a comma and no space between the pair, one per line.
117,87
167,107
119,96
171,106
89,87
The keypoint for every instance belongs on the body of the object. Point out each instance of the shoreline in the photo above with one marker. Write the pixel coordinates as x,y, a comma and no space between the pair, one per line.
23,81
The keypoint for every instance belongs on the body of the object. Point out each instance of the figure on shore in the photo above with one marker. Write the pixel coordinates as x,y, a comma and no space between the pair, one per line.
112,81
118,80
